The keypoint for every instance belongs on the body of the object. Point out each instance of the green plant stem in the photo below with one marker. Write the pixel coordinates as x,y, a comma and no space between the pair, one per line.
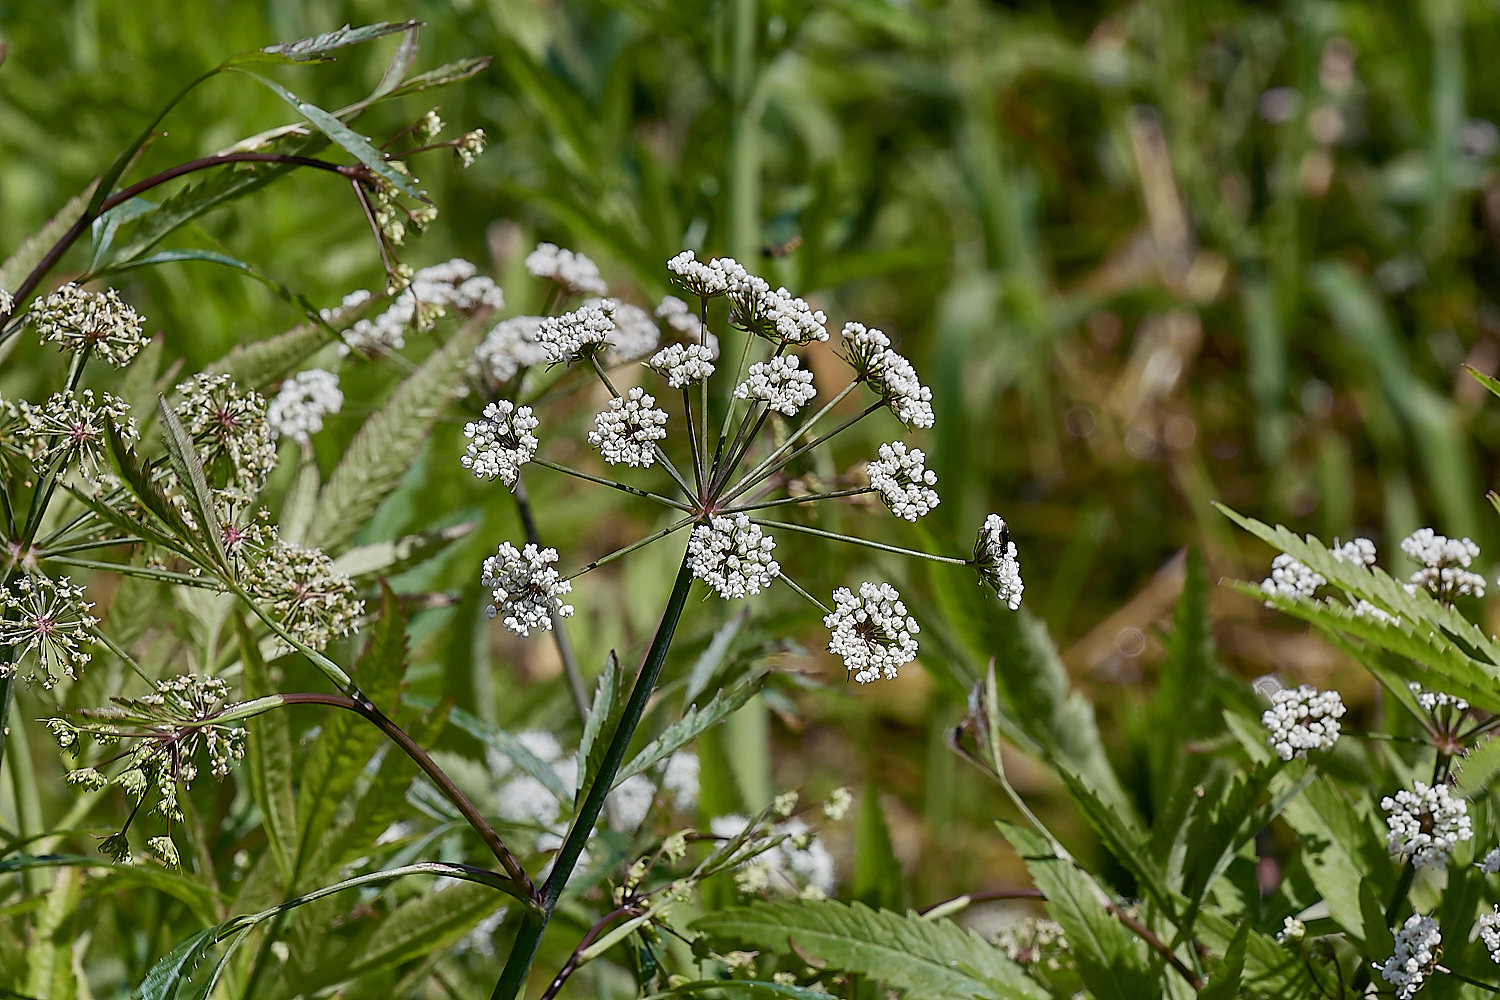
661,456
611,484
412,749
687,408
788,525
810,599
523,953
809,498
626,550
559,630
1465,979
767,467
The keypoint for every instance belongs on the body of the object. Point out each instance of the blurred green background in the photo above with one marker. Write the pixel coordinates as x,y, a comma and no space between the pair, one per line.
1148,256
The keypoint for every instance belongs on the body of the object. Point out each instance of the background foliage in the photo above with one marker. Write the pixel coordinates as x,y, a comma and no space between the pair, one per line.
1148,256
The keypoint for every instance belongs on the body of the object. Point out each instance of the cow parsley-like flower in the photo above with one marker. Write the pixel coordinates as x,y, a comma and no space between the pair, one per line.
509,348
998,562
573,271
733,556
679,317
1302,719
297,411
79,319
431,292
1426,823
680,777
1445,563
1418,945
903,481
1491,862
229,430
500,443
51,619
780,383
707,278
1433,701
70,427
1290,578
683,364
635,333
314,602
470,147
869,353
577,335
7,303
525,587
871,631
626,433
1489,932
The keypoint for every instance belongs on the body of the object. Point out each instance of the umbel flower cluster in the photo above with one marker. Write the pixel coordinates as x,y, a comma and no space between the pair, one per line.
721,483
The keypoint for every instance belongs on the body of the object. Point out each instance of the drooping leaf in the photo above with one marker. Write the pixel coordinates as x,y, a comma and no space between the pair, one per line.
1114,964
448,73
1123,839
427,923
162,982
1224,983
270,759
345,137
1339,850
189,469
389,441
391,558
932,959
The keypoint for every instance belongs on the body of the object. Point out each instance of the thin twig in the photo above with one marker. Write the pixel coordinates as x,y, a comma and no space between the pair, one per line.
881,546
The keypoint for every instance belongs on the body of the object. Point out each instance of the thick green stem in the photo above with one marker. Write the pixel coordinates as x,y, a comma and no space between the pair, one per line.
523,953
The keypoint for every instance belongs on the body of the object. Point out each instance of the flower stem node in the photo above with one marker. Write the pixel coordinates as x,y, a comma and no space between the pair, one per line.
526,588
871,631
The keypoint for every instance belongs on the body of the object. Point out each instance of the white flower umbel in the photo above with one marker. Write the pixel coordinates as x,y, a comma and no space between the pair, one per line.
229,429
871,631
352,301
510,348
1489,932
1445,563
869,353
431,292
577,335
573,271
733,556
297,411
679,317
79,319
1290,578
500,443
7,304
903,481
315,602
1491,862
632,800
707,278
998,563
1418,944
70,427
1433,701
626,433
635,334
470,147
791,320
683,364
525,587
51,619
1360,552
780,383
1426,824
1302,719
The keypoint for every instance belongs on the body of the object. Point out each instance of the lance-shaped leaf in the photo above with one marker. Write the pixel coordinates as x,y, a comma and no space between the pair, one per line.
599,728
400,555
270,754
189,469
696,721
350,141
316,48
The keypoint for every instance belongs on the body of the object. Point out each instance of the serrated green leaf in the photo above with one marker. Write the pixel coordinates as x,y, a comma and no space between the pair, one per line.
932,959
184,458
1123,839
347,741
599,728
514,750
1112,962
1488,381
162,982
1339,851
343,136
427,923
878,881
105,226
315,48
448,73
389,441
384,801
696,721
270,759
713,657
1477,768
1224,984
753,989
